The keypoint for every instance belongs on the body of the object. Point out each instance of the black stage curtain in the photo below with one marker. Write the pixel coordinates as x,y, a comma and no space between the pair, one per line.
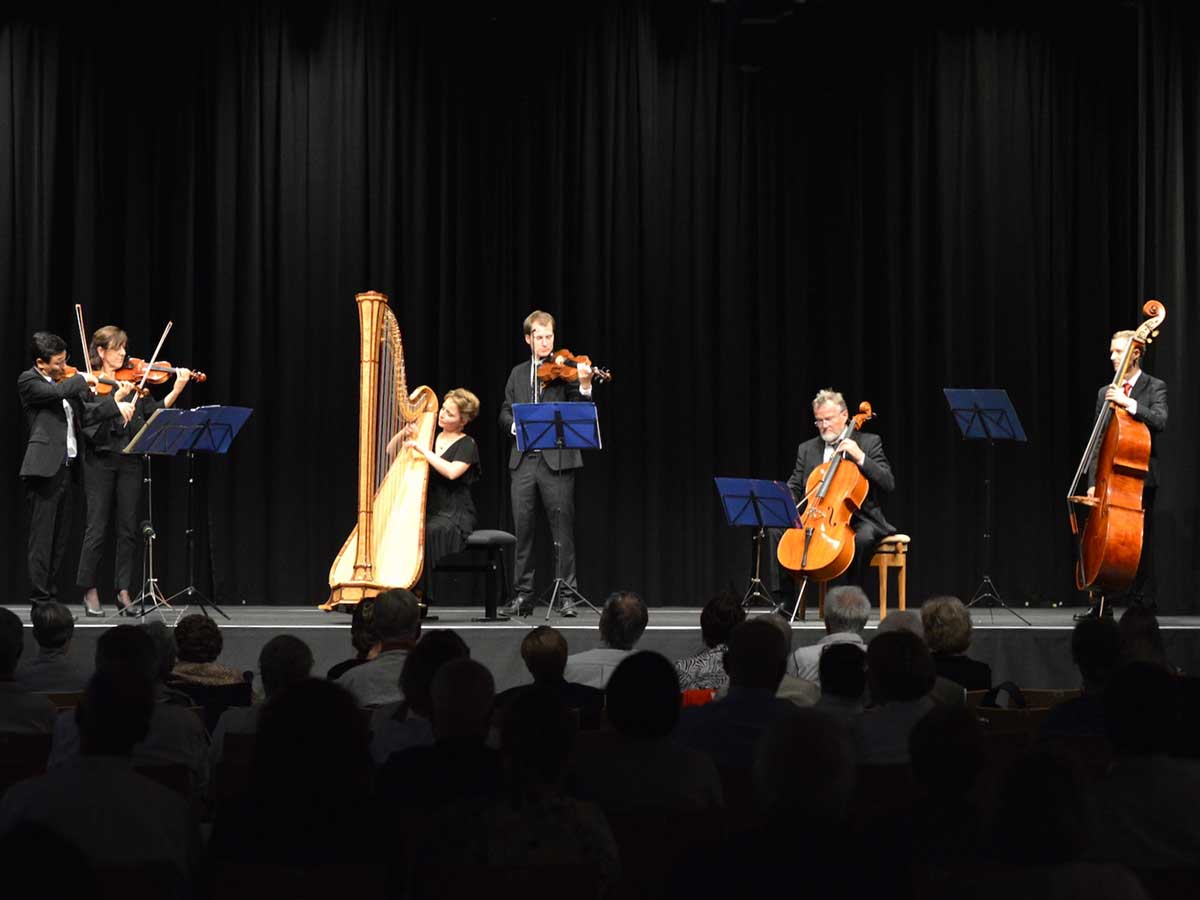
870,201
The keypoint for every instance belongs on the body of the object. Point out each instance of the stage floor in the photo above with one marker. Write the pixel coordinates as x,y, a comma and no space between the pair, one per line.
1033,655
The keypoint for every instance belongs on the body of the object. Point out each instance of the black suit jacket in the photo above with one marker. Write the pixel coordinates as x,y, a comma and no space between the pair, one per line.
47,420
517,390
875,467
1151,396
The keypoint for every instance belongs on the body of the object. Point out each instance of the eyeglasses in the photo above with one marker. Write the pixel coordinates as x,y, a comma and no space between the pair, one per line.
828,420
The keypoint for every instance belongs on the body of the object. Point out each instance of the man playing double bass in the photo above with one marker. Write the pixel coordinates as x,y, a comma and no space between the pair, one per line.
866,451
1144,397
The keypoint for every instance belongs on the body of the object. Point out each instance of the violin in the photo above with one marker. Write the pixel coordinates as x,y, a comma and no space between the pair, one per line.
159,373
563,365
821,547
104,386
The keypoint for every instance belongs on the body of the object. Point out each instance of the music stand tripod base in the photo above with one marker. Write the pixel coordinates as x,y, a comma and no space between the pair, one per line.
565,597
987,593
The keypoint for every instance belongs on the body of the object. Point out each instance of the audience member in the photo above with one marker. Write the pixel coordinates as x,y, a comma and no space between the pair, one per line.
458,765
792,688
395,628
21,712
947,625
533,820
728,729
622,622
361,618
55,669
843,682
283,661
900,675
706,670
944,691
175,736
409,722
948,754
95,800
1146,806
1141,639
287,812
636,765
198,643
1096,649
846,611
544,652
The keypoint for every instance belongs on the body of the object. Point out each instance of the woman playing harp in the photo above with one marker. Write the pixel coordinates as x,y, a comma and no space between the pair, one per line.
386,548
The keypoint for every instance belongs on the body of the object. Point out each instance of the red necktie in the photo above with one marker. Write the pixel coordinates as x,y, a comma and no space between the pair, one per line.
1128,388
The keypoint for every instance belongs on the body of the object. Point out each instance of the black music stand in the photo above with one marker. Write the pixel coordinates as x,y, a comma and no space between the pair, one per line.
558,426
986,414
760,504
205,429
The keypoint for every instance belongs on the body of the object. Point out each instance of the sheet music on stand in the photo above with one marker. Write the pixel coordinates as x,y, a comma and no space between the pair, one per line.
204,429
986,414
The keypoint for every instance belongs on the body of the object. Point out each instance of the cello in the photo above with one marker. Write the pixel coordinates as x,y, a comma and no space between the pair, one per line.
821,546
1109,548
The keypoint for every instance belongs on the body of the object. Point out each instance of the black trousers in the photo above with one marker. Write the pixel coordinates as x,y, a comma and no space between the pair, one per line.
48,502
532,479
442,537
113,488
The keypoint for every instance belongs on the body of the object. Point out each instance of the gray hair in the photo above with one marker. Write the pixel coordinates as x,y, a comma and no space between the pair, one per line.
903,620
829,395
846,609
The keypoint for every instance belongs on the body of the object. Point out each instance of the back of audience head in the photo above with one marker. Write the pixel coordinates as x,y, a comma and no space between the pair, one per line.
362,618
846,610
781,623
902,620
808,740
544,651
899,667
53,625
1141,710
1096,649
396,617
536,737
719,617
163,643
1141,639
947,625
433,651
642,696
301,731
843,669
462,693
198,639
129,649
283,661
623,620
1042,817
12,642
115,712
757,656
948,751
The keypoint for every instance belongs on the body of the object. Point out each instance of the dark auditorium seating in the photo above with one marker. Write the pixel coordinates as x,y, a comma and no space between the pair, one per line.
22,756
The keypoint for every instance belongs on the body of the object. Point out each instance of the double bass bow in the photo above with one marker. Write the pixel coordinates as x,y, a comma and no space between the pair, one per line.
821,546
1109,548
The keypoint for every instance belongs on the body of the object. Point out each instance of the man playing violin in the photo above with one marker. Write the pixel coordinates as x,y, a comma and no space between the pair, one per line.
1144,397
865,450
549,474
112,482
53,397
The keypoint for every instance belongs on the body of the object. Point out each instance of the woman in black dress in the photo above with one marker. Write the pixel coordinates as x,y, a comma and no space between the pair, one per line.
112,482
453,471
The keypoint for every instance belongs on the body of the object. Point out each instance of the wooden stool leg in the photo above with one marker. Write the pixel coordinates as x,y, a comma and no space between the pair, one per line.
883,569
903,577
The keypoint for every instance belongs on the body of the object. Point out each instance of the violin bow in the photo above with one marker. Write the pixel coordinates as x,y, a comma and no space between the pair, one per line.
87,356
153,359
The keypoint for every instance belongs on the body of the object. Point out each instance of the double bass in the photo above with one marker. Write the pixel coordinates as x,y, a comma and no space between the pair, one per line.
821,547
1109,547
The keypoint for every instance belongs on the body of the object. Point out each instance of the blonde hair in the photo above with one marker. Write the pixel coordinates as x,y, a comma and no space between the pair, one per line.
467,403
829,395
109,337
538,317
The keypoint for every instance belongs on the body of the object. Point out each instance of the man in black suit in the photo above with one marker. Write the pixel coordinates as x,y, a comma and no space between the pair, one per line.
53,408
549,474
865,450
1144,397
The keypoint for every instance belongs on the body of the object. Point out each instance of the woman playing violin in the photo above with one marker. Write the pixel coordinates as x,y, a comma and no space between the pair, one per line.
453,470
112,479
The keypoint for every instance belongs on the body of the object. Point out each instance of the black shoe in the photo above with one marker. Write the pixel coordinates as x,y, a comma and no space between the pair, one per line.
519,607
1093,612
568,611
93,613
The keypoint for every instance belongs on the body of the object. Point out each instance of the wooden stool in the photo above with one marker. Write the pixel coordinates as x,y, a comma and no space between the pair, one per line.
892,553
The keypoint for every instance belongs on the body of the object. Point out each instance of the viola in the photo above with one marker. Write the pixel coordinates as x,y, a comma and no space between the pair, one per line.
563,365
822,546
159,373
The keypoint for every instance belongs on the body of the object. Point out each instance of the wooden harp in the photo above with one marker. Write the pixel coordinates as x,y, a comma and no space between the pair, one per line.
387,546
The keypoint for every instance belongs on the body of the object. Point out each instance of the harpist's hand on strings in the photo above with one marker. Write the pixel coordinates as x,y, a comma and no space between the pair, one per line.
400,437
852,450
415,446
